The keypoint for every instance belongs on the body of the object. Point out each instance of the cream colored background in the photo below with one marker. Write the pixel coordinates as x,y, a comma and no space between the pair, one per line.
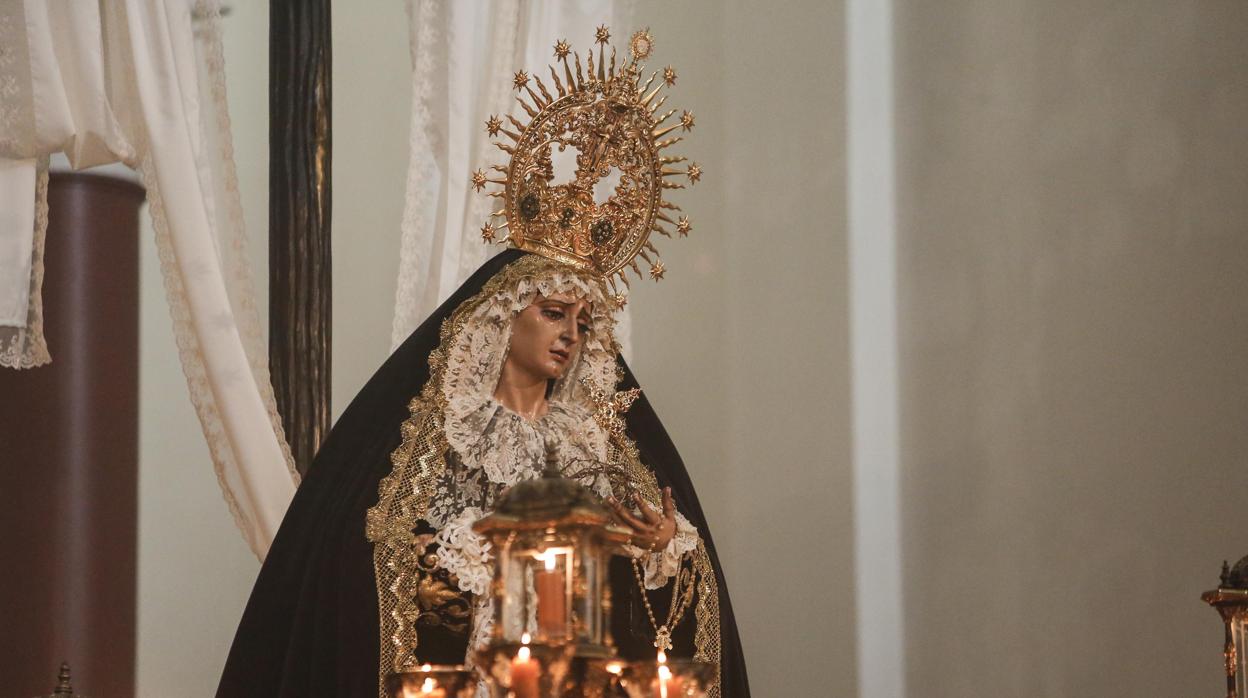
1071,255
1073,266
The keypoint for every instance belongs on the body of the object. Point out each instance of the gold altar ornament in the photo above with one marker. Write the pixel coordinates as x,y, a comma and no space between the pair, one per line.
611,119
1230,600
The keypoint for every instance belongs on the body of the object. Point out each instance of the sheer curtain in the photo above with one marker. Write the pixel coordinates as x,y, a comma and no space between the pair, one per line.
142,82
463,57
53,97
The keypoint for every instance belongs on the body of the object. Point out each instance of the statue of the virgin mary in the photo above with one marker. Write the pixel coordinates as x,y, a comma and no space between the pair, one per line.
376,567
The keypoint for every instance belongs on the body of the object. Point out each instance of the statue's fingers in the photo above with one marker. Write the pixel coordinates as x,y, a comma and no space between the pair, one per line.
669,507
652,517
614,506
633,522
624,515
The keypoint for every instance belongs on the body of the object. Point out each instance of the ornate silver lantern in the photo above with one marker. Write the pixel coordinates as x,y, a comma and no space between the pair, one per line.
552,540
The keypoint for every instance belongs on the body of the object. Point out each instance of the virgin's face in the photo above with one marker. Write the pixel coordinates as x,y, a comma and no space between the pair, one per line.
546,335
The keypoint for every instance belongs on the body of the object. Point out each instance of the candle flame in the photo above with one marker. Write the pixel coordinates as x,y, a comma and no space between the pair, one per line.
615,668
525,639
429,685
665,675
523,654
427,667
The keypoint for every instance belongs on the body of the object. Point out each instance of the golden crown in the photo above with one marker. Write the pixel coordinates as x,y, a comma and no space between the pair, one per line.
611,121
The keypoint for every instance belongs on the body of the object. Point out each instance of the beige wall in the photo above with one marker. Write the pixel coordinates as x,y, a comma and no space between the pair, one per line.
1072,264
742,348
372,107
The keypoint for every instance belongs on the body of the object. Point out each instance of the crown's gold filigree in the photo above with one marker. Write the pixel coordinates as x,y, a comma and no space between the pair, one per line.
641,45
492,125
610,122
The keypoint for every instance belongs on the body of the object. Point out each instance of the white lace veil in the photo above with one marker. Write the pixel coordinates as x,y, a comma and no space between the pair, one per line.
476,354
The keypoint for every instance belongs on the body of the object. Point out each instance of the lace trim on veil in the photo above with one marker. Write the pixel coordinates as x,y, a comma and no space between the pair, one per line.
26,347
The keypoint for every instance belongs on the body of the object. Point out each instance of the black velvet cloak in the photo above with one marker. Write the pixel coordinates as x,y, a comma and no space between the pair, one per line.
311,626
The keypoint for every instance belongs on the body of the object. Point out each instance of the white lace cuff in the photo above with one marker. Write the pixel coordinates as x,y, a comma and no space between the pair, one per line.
660,566
465,554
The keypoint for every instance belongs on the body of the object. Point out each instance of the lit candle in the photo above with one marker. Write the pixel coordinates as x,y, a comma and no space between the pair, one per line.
667,685
524,672
428,689
551,609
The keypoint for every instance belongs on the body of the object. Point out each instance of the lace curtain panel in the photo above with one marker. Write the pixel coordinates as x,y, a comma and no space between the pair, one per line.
142,82
464,54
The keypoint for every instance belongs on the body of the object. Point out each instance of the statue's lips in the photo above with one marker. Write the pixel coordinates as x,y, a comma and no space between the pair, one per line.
560,355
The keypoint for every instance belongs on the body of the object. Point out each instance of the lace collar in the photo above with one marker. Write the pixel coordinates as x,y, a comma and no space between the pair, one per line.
508,448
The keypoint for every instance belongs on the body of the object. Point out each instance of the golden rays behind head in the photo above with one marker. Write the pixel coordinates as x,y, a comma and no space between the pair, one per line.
612,120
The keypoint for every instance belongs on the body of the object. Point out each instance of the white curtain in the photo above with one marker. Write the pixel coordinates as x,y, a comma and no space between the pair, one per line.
464,54
52,98
142,82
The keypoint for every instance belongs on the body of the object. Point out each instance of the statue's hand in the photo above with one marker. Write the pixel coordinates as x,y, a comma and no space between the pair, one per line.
651,529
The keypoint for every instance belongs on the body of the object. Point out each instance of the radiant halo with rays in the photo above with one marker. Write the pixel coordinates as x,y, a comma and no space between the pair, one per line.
610,122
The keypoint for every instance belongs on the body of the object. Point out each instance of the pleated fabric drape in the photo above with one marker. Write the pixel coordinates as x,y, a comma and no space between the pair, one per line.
142,82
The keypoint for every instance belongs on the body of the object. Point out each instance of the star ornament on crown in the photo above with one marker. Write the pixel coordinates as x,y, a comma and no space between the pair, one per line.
613,121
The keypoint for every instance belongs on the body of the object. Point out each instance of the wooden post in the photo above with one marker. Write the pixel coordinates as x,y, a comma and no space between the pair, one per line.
300,310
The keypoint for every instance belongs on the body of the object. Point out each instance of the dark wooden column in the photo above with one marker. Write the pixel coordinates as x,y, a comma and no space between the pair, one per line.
300,310
69,454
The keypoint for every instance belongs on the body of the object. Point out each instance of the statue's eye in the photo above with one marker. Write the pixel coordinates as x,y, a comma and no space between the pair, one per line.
530,207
